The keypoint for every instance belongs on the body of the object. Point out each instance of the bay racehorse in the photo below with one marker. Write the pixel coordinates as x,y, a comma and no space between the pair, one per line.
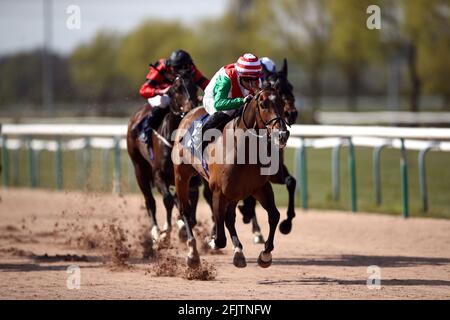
153,166
231,181
279,81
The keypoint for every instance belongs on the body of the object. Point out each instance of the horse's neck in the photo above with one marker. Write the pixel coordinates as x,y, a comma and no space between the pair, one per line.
169,124
247,120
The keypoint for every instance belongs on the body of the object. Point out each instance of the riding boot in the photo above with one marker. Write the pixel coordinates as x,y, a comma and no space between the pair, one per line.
152,122
216,120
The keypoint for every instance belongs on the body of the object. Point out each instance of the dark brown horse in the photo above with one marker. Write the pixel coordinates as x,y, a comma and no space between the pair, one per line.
279,81
154,167
232,181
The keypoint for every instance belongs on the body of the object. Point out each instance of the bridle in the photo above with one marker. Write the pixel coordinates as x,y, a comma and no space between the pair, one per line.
272,121
185,93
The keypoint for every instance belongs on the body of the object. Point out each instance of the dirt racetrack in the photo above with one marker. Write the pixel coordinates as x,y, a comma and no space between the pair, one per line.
325,257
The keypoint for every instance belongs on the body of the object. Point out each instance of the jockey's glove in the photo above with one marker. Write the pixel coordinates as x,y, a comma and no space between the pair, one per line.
248,98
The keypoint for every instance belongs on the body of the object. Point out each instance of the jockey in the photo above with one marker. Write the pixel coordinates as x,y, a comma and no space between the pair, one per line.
156,88
230,88
269,67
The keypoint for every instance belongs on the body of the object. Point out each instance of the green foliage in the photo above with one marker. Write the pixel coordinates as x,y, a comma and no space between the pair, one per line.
149,42
94,68
21,78
433,42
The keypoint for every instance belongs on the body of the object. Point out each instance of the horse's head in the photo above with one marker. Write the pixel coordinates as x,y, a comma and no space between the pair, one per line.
279,81
268,107
183,94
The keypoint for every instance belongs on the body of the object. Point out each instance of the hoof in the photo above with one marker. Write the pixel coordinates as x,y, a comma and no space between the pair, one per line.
264,260
155,234
182,234
239,260
193,262
165,238
285,226
258,238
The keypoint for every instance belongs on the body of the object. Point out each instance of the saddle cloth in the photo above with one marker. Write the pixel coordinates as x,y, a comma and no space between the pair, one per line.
192,140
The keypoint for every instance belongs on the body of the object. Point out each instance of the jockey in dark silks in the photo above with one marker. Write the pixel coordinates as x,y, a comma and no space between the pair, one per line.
156,87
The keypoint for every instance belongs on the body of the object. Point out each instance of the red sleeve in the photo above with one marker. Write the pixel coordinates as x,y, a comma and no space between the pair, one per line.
147,91
155,81
199,79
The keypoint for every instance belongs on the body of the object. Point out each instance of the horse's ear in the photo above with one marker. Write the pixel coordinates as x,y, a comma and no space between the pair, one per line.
266,73
285,67
267,85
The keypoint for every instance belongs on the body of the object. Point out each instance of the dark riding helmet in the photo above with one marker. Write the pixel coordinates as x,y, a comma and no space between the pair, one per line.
180,60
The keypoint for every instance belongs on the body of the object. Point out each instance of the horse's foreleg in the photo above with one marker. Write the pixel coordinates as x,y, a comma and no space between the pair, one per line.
266,199
230,221
219,209
143,173
193,196
183,175
169,202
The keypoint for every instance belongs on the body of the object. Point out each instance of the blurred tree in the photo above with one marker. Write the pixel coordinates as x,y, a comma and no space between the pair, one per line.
21,78
149,42
243,28
93,67
429,21
352,45
303,30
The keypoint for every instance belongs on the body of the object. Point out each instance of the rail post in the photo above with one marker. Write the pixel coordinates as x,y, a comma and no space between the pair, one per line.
404,178
5,162
58,164
422,175
352,172
15,167
117,169
335,171
131,175
87,162
32,163
105,166
303,175
376,171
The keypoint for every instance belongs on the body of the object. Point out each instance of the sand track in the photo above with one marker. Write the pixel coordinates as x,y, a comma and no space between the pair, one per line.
325,257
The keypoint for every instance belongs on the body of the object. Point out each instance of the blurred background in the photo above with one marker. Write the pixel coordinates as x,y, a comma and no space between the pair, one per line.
48,68
83,61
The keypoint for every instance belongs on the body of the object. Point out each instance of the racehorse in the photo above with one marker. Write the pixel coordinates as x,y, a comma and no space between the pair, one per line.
231,182
153,166
279,81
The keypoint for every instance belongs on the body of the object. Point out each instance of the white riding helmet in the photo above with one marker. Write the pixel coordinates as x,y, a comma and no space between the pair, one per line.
268,64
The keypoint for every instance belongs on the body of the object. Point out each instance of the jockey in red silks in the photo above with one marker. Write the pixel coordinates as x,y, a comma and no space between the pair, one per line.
156,88
230,88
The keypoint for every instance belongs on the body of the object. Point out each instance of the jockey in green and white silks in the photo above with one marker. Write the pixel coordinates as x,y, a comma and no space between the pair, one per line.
229,89
232,83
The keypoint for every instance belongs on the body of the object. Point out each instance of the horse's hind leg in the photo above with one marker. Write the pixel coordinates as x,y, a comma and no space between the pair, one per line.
230,221
285,178
183,174
169,203
143,171
249,214
266,199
